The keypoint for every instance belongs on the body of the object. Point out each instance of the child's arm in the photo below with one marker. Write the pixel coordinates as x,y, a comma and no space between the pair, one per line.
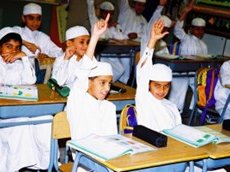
98,29
32,47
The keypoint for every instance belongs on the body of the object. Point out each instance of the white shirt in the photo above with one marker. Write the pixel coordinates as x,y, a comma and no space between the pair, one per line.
153,113
17,73
129,20
65,72
40,39
114,32
221,93
86,114
190,44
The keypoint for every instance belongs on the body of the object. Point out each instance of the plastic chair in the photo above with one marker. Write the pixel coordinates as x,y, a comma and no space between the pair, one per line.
224,109
127,119
60,130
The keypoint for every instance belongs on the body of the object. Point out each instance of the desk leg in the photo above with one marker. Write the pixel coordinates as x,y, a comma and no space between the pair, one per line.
204,169
191,166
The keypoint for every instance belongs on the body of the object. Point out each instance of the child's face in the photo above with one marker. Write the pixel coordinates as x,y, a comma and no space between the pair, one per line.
80,44
139,7
9,48
99,86
159,89
32,21
197,31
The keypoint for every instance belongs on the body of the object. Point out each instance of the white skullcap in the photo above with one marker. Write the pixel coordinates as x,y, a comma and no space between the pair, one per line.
102,69
5,31
167,21
75,32
32,8
107,6
160,72
198,22
144,1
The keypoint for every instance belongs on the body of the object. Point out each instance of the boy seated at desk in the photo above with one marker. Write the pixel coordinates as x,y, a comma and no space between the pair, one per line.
87,110
66,67
26,145
153,85
221,92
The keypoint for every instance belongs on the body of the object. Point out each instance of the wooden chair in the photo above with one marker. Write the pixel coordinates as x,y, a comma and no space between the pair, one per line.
60,130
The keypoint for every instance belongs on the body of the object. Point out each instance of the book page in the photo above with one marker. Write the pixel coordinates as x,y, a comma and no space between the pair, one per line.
220,137
108,147
19,92
190,135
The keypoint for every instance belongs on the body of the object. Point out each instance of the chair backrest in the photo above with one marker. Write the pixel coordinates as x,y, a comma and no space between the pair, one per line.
60,126
128,119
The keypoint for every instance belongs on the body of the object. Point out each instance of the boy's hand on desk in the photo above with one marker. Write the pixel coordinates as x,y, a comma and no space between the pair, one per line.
32,47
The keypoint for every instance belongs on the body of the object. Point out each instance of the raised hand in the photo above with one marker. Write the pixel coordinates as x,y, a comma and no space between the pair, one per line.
100,26
69,52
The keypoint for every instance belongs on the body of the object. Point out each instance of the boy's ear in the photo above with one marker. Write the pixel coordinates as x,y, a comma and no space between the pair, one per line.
69,43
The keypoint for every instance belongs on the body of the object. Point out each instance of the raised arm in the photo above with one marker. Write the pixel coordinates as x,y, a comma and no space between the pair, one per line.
91,12
98,29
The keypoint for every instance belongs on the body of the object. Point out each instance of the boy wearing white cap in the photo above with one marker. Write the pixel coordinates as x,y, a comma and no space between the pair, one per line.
153,85
191,44
87,110
17,144
66,67
35,42
15,67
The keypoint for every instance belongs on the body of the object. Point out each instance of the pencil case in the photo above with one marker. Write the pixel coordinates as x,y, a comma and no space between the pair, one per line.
155,138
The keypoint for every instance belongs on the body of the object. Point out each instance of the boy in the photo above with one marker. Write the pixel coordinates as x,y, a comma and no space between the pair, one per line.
35,42
15,66
17,144
153,85
191,44
221,92
87,110
66,67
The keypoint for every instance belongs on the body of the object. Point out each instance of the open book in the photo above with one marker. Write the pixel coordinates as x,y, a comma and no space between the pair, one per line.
108,147
19,92
192,136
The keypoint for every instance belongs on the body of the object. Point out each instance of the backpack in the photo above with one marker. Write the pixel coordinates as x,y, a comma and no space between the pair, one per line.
206,81
128,119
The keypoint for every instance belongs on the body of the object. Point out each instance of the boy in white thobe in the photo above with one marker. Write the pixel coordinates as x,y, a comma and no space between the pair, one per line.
87,110
19,144
66,67
36,42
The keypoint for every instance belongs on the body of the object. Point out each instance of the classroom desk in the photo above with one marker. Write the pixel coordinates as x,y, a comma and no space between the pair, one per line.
191,64
221,150
175,152
50,102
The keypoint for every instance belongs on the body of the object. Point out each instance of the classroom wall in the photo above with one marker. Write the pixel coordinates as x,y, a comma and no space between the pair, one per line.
11,11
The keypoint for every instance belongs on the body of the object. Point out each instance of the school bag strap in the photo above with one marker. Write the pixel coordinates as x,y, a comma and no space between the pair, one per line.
128,119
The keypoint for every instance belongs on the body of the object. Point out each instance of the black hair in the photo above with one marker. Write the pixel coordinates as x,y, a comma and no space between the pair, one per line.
11,36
